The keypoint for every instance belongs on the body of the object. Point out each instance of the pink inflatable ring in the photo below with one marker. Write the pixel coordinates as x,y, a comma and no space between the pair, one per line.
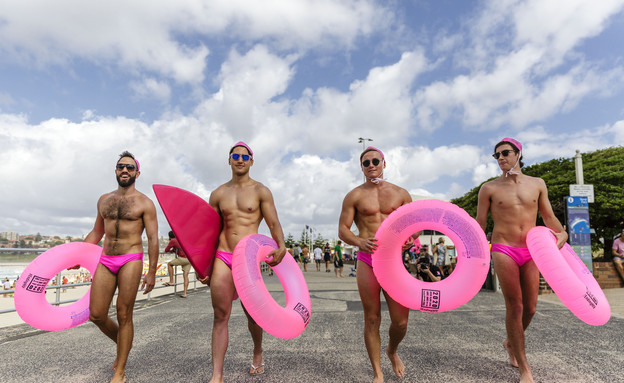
282,322
568,276
30,299
473,260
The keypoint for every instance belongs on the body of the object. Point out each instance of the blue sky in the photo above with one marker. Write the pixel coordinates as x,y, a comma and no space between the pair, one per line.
435,84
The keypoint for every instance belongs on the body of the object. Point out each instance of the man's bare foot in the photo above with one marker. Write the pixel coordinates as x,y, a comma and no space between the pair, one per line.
527,378
118,379
512,357
397,364
378,379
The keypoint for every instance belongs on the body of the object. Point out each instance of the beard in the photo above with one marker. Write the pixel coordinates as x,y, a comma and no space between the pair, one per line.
126,183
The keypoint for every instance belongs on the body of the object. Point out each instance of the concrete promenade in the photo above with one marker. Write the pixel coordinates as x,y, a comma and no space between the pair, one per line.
172,343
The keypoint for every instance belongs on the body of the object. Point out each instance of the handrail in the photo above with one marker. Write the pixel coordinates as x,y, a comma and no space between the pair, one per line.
57,301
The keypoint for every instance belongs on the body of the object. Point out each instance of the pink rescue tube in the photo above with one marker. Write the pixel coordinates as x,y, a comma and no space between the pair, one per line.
282,322
30,300
568,276
473,260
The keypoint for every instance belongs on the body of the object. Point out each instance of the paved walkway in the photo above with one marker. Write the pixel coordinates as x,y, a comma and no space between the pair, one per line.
172,343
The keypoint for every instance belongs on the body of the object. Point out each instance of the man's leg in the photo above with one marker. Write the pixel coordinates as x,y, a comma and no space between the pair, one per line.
185,275
103,288
256,336
619,267
398,328
170,271
508,274
128,278
369,295
221,291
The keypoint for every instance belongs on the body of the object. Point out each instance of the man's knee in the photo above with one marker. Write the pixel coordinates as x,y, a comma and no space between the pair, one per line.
373,320
98,318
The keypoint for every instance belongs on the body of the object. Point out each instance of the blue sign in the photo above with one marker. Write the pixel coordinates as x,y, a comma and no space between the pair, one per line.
578,224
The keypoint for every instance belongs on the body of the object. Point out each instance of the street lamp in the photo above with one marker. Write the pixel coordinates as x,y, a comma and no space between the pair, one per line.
363,140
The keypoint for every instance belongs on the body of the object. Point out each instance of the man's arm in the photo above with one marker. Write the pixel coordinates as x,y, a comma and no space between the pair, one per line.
347,215
150,221
483,206
96,234
550,220
269,213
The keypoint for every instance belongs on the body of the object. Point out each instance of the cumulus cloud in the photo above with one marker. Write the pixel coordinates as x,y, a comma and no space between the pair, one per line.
511,78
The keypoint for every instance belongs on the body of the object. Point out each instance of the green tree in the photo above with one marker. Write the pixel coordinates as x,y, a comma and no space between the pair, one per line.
320,241
602,168
305,238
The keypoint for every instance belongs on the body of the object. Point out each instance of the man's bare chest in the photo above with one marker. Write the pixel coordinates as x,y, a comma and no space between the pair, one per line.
120,208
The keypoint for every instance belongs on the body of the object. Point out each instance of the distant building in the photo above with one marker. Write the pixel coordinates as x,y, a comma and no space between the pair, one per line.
9,235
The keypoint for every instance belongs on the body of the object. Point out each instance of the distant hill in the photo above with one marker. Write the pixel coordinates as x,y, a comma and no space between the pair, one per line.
603,168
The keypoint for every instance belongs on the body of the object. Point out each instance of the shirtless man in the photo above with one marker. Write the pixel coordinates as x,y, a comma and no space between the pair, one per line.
514,199
242,203
122,215
368,205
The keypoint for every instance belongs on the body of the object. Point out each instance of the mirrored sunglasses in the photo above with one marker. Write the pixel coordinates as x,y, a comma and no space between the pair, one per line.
236,156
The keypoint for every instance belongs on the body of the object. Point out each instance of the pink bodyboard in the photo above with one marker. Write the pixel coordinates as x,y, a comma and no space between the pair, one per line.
195,224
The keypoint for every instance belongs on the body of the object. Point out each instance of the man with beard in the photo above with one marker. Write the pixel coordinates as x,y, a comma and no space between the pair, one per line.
122,215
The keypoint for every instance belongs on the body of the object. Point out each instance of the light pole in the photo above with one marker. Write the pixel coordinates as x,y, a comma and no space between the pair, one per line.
363,141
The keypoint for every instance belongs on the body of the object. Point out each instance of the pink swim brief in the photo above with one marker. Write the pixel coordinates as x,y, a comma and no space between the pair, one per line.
115,262
365,257
519,254
225,257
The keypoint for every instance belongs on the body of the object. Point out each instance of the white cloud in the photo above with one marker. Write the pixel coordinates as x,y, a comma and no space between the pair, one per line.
512,78
156,36
152,88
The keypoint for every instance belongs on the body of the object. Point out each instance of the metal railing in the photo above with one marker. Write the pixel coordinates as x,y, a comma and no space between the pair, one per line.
59,286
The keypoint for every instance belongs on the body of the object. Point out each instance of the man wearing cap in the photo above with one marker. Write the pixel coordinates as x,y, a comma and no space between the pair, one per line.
367,206
122,215
242,203
514,199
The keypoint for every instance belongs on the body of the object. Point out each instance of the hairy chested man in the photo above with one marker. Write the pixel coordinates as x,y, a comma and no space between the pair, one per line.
368,205
514,199
122,215
242,203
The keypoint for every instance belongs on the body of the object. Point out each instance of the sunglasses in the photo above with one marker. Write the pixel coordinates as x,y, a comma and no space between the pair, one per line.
130,167
505,153
366,163
236,156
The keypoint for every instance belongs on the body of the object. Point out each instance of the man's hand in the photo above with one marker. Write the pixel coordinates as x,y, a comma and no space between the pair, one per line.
275,256
148,282
368,245
205,280
562,238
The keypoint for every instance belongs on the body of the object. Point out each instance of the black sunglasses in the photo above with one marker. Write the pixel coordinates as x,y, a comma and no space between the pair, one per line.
236,156
366,163
505,153
130,167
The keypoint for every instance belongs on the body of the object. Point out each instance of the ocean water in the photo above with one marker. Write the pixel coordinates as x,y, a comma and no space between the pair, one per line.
13,264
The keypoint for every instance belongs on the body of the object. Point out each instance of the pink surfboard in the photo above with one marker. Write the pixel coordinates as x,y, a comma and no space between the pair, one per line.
195,224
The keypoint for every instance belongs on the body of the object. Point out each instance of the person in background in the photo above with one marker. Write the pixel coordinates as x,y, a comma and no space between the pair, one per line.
180,260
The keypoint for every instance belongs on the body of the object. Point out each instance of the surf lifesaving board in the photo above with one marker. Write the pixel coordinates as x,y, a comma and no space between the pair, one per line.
195,224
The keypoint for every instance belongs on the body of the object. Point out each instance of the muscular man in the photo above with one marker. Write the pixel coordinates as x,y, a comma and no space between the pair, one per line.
514,199
122,215
242,203
368,205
